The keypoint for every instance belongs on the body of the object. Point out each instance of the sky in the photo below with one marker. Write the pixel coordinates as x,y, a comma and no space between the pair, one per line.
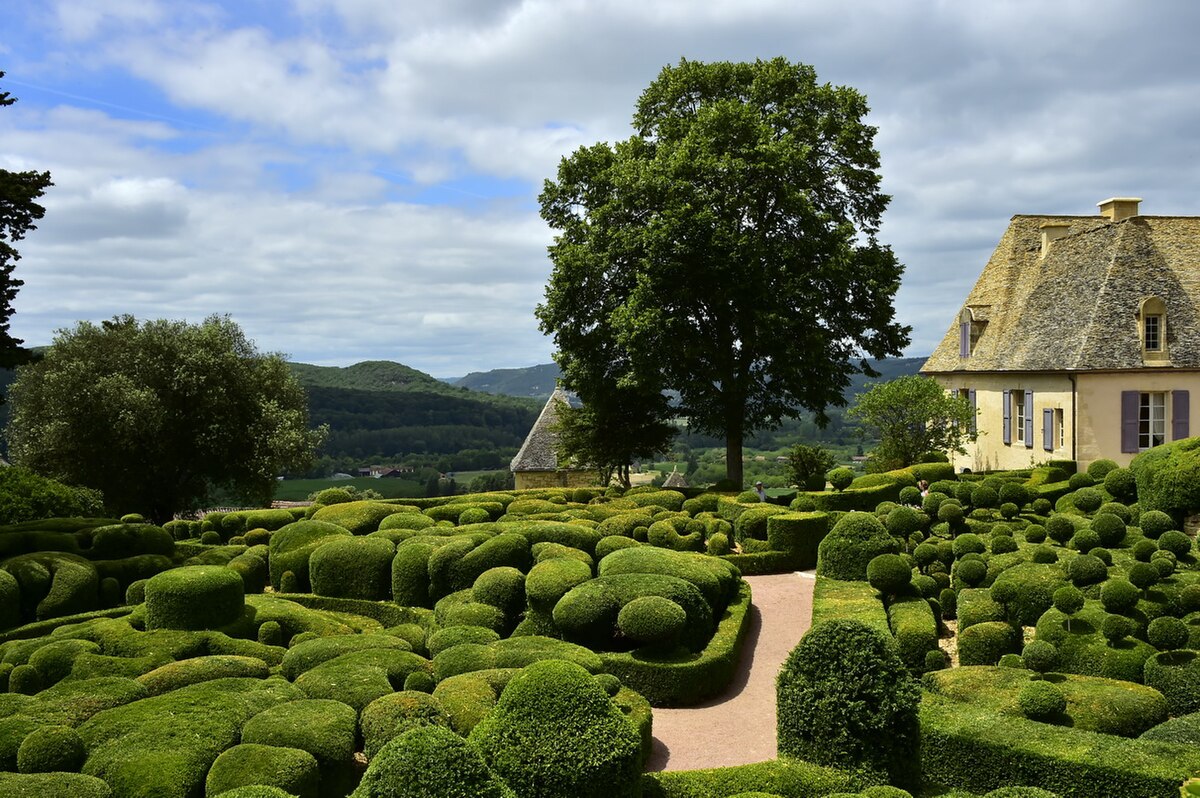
357,179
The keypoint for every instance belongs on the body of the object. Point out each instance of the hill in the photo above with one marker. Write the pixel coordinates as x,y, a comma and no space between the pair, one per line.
538,381
370,375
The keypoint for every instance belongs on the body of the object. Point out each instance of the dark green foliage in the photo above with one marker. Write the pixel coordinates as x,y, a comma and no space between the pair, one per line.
308,654
1143,575
26,496
716,545
386,718
1085,570
1117,627
291,547
126,540
950,512
1155,522
968,543
1003,544
1184,729
948,599
936,659
915,628
1110,529
195,597
1167,633
1042,701
549,581
1144,549
1119,595
290,769
971,572
360,677
324,728
1042,506
1175,542
840,478
26,680
1068,600
210,537
855,540
50,749
410,574
1099,469
10,600
54,659
889,574
1040,656
1121,484
903,521
430,762
183,672
1060,528
783,776
651,621
359,517
1085,540
866,723
1168,477
456,635
503,588
925,586
1045,555
1080,481
55,785
1189,598
607,545
165,745
1033,586
1035,533
1175,674
984,643
555,732
357,568
588,613
716,579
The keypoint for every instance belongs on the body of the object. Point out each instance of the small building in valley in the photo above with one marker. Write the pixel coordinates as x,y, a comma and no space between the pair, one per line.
1080,340
536,464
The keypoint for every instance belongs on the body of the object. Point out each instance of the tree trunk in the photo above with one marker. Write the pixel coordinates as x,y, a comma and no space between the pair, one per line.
733,451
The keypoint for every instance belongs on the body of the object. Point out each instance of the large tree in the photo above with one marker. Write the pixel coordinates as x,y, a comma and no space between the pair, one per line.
726,251
619,426
913,416
19,210
159,415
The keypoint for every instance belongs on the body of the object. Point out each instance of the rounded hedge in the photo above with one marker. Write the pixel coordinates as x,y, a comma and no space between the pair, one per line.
1086,569
1110,529
1189,598
1143,575
1144,549
1041,701
1060,528
1175,542
1155,522
855,540
1004,545
1119,595
51,749
890,574
549,581
353,567
903,521
652,621
1080,480
984,643
968,543
290,769
503,588
1085,540
1175,674
1167,634
555,732
1121,484
1068,600
386,718
1045,555
1040,656
194,597
971,572
430,762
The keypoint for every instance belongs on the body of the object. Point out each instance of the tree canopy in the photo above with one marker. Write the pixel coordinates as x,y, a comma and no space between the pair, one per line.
913,416
726,251
616,428
160,415
19,210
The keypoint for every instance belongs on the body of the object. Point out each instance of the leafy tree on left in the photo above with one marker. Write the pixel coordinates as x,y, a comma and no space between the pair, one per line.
19,192
159,415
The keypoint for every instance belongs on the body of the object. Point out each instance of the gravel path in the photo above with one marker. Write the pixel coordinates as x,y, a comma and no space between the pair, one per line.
738,727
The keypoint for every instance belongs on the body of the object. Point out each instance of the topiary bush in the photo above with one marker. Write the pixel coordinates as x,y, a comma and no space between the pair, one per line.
1155,522
290,769
890,574
854,541
1167,633
51,749
984,643
1175,542
1119,595
386,718
353,567
1086,569
430,762
652,621
840,478
1109,528
194,597
1042,701
867,723
555,732
1175,674
292,545
322,727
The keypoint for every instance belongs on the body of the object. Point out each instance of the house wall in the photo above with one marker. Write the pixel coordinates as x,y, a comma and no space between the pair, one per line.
989,452
1100,408
562,478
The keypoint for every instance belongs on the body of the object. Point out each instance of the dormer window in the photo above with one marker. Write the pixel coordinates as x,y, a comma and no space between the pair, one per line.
1152,329
971,323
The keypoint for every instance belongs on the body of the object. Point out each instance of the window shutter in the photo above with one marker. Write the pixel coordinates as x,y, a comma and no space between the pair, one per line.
1129,421
964,339
1179,414
1008,417
1029,419
1048,429
974,409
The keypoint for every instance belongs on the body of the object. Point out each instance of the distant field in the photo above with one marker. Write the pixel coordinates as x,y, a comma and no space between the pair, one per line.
297,490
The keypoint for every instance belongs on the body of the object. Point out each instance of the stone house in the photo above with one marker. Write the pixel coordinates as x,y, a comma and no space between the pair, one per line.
536,464
1080,340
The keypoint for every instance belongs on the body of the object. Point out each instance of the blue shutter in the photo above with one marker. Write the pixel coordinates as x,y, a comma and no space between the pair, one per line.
1007,417
964,339
1129,421
1180,407
1048,429
1029,419
974,409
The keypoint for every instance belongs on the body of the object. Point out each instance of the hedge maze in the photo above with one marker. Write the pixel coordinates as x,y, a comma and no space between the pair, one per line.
1013,635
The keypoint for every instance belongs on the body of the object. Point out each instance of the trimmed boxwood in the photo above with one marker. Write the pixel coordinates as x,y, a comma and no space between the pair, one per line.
194,597
360,517
291,547
651,621
915,629
984,643
716,579
51,749
783,776
324,728
386,718
549,581
865,724
52,785
358,678
290,769
588,613
357,568
430,762
555,732
854,541
1175,674
308,654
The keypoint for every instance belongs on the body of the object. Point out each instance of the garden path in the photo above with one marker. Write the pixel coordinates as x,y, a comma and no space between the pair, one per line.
738,726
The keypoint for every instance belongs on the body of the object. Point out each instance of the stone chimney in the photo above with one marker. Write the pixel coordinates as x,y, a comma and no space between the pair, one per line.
1116,209
1051,232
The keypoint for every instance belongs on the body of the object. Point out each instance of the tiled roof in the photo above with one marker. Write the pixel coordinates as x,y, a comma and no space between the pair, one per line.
538,451
675,480
1076,309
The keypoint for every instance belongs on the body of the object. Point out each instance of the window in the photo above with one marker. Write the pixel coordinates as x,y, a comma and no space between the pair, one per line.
1152,331
1019,412
1152,420
1059,425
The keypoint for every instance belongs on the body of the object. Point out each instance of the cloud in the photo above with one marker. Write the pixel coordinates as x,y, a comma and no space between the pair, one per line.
357,178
